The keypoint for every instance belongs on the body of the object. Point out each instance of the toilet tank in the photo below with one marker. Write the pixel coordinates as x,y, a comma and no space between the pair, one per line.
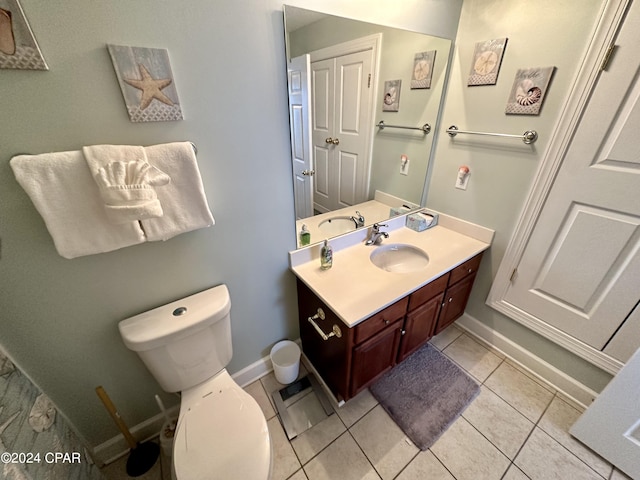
185,342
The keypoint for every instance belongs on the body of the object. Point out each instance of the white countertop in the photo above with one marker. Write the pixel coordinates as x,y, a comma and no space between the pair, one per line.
354,288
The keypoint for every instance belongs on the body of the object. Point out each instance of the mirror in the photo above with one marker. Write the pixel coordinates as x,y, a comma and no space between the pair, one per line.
345,77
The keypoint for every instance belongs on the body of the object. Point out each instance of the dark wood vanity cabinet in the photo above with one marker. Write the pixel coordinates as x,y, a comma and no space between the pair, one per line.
352,361
457,294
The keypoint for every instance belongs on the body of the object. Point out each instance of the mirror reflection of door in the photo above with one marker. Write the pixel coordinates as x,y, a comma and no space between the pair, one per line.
298,71
341,109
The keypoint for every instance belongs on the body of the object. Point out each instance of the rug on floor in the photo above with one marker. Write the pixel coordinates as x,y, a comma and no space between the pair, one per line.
425,394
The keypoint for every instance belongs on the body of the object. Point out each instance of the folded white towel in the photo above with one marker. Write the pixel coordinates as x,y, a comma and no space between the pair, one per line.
183,201
65,194
126,181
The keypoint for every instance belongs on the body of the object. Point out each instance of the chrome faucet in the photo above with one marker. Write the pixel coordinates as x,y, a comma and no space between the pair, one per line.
358,219
375,237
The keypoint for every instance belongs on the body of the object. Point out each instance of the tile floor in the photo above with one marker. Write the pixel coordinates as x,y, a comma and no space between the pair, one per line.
516,429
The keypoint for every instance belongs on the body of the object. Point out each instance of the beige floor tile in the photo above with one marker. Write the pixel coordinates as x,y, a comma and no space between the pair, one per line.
383,442
357,407
284,462
542,458
341,460
257,391
618,475
473,357
557,420
299,475
468,455
309,443
519,391
514,473
500,423
446,337
425,466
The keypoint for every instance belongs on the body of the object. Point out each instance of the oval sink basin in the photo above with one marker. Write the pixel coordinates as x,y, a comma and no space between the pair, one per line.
336,226
399,258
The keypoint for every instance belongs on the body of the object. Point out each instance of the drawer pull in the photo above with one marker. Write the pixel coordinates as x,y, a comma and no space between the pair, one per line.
386,322
320,315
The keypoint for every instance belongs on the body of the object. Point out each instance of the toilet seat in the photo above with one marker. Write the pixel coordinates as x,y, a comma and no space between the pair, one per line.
221,433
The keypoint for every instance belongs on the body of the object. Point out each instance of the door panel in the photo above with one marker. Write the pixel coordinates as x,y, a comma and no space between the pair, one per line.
580,270
341,103
300,120
611,425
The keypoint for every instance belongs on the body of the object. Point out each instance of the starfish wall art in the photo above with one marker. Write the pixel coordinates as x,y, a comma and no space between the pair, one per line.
146,82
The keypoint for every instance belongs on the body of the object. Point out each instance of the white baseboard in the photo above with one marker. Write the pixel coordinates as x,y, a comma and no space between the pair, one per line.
117,447
562,382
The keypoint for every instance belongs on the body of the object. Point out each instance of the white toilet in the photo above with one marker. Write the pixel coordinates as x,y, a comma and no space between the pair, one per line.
222,432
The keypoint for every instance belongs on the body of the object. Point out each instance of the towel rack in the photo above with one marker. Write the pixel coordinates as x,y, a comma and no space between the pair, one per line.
426,128
528,137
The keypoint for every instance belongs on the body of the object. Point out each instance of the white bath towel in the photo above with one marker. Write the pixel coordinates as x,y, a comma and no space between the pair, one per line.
183,201
126,181
64,193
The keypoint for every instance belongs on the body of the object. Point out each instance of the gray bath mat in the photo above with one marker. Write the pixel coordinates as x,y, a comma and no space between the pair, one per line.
425,394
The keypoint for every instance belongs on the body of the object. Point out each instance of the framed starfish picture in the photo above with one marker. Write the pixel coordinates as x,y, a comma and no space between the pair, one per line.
147,84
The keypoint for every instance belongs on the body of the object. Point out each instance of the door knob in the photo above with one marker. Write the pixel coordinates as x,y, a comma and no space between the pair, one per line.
308,173
334,141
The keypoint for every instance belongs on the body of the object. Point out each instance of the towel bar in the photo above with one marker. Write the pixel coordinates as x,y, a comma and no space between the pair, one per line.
426,128
528,137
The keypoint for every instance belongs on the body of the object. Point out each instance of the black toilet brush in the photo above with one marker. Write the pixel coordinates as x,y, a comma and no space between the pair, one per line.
142,456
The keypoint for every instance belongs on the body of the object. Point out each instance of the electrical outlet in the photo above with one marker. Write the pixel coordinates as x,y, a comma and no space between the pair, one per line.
404,165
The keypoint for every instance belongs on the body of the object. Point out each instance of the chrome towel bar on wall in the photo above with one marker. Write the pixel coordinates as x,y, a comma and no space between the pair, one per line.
426,128
528,137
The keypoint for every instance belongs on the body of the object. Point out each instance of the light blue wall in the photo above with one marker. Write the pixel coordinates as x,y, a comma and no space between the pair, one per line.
551,33
59,317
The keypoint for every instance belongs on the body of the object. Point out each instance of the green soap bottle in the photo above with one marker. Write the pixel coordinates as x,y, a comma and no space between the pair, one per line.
305,236
326,256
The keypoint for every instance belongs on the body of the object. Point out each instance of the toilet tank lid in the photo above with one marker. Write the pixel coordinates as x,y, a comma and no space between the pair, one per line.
175,320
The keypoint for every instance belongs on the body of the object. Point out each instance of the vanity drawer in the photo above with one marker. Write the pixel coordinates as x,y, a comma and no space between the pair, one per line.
380,320
467,268
426,293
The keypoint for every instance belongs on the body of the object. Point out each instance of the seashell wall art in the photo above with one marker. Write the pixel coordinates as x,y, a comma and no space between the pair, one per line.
18,46
528,91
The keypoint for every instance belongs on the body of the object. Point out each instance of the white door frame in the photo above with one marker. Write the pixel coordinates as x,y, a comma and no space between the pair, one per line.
611,16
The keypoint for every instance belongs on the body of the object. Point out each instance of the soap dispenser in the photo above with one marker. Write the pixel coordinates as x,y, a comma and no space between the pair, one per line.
326,256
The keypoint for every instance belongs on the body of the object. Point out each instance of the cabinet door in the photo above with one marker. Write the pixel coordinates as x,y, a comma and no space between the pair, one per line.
455,301
419,326
374,357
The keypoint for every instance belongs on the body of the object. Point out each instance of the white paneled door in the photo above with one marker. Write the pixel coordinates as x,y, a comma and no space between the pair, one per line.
611,425
298,71
580,270
341,129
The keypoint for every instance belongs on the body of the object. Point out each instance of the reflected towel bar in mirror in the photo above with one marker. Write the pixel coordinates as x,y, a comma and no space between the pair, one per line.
528,137
426,128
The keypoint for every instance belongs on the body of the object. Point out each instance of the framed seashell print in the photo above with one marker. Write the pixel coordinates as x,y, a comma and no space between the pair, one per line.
391,99
528,91
487,58
18,46
422,69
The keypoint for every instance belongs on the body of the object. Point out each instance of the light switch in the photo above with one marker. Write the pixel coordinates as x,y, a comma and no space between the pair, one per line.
404,165
463,177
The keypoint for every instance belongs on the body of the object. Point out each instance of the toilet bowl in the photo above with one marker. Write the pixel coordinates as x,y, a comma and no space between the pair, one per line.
221,432
221,429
